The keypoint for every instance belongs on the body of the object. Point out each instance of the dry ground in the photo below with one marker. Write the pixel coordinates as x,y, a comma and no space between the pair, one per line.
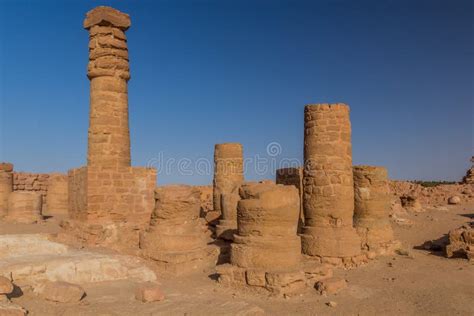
420,283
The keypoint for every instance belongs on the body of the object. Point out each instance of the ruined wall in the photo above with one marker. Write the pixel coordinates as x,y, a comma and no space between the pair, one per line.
32,182
101,195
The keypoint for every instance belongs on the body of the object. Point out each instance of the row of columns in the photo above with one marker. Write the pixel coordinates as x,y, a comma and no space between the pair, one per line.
345,208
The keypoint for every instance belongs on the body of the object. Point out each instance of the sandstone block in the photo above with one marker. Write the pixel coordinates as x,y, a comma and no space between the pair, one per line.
331,286
454,200
62,292
6,286
149,292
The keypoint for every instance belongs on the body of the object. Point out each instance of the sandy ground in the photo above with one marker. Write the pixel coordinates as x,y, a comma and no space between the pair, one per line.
420,283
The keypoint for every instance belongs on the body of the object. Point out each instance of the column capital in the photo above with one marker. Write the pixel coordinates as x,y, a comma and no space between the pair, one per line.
107,16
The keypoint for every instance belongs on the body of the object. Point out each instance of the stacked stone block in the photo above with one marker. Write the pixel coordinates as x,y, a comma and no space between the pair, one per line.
177,238
228,176
372,208
24,207
328,198
57,197
293,176
266,251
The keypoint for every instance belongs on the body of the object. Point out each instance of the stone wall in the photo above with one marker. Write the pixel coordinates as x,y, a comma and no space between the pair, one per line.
112,195
31,182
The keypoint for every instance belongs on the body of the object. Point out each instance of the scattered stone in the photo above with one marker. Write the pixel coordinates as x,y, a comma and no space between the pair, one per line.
461,242
59,291
6,286
331,304
454,200
149,292
331,286
411,203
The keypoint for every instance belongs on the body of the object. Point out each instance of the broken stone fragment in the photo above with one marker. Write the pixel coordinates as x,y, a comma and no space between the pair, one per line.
6,286
62,292
454,200
149,292
331,286
107,16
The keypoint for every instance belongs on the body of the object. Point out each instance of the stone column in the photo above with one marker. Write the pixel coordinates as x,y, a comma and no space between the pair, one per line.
177,238
108,71
293,176
267,250
228,170
6,186
328,183
372,207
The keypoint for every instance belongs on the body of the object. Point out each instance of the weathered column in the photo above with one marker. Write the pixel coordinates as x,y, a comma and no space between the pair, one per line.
6,186
372,207
177,238
267,250
108,71
328,183
293,176
228,170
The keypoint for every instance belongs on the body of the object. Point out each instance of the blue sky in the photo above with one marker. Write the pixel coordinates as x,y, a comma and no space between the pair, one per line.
205,72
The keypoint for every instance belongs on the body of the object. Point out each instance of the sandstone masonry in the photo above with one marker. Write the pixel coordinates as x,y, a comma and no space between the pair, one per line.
228,176
328,198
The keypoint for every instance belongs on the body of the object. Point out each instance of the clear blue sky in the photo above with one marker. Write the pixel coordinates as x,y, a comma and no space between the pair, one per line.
205,72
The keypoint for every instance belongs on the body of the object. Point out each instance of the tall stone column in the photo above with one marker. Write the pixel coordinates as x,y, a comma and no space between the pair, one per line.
6,186
328,183
228,171
372,207
108,71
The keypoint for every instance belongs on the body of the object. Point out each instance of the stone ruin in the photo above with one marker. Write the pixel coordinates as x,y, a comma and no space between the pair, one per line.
293,176
177,238
110,202
461,242
6,187
228,176
372,208
266,251
469,177
328,198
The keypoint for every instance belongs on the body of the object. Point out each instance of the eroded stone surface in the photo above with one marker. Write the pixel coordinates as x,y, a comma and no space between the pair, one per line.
57,197
6,186
149,292
31,259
